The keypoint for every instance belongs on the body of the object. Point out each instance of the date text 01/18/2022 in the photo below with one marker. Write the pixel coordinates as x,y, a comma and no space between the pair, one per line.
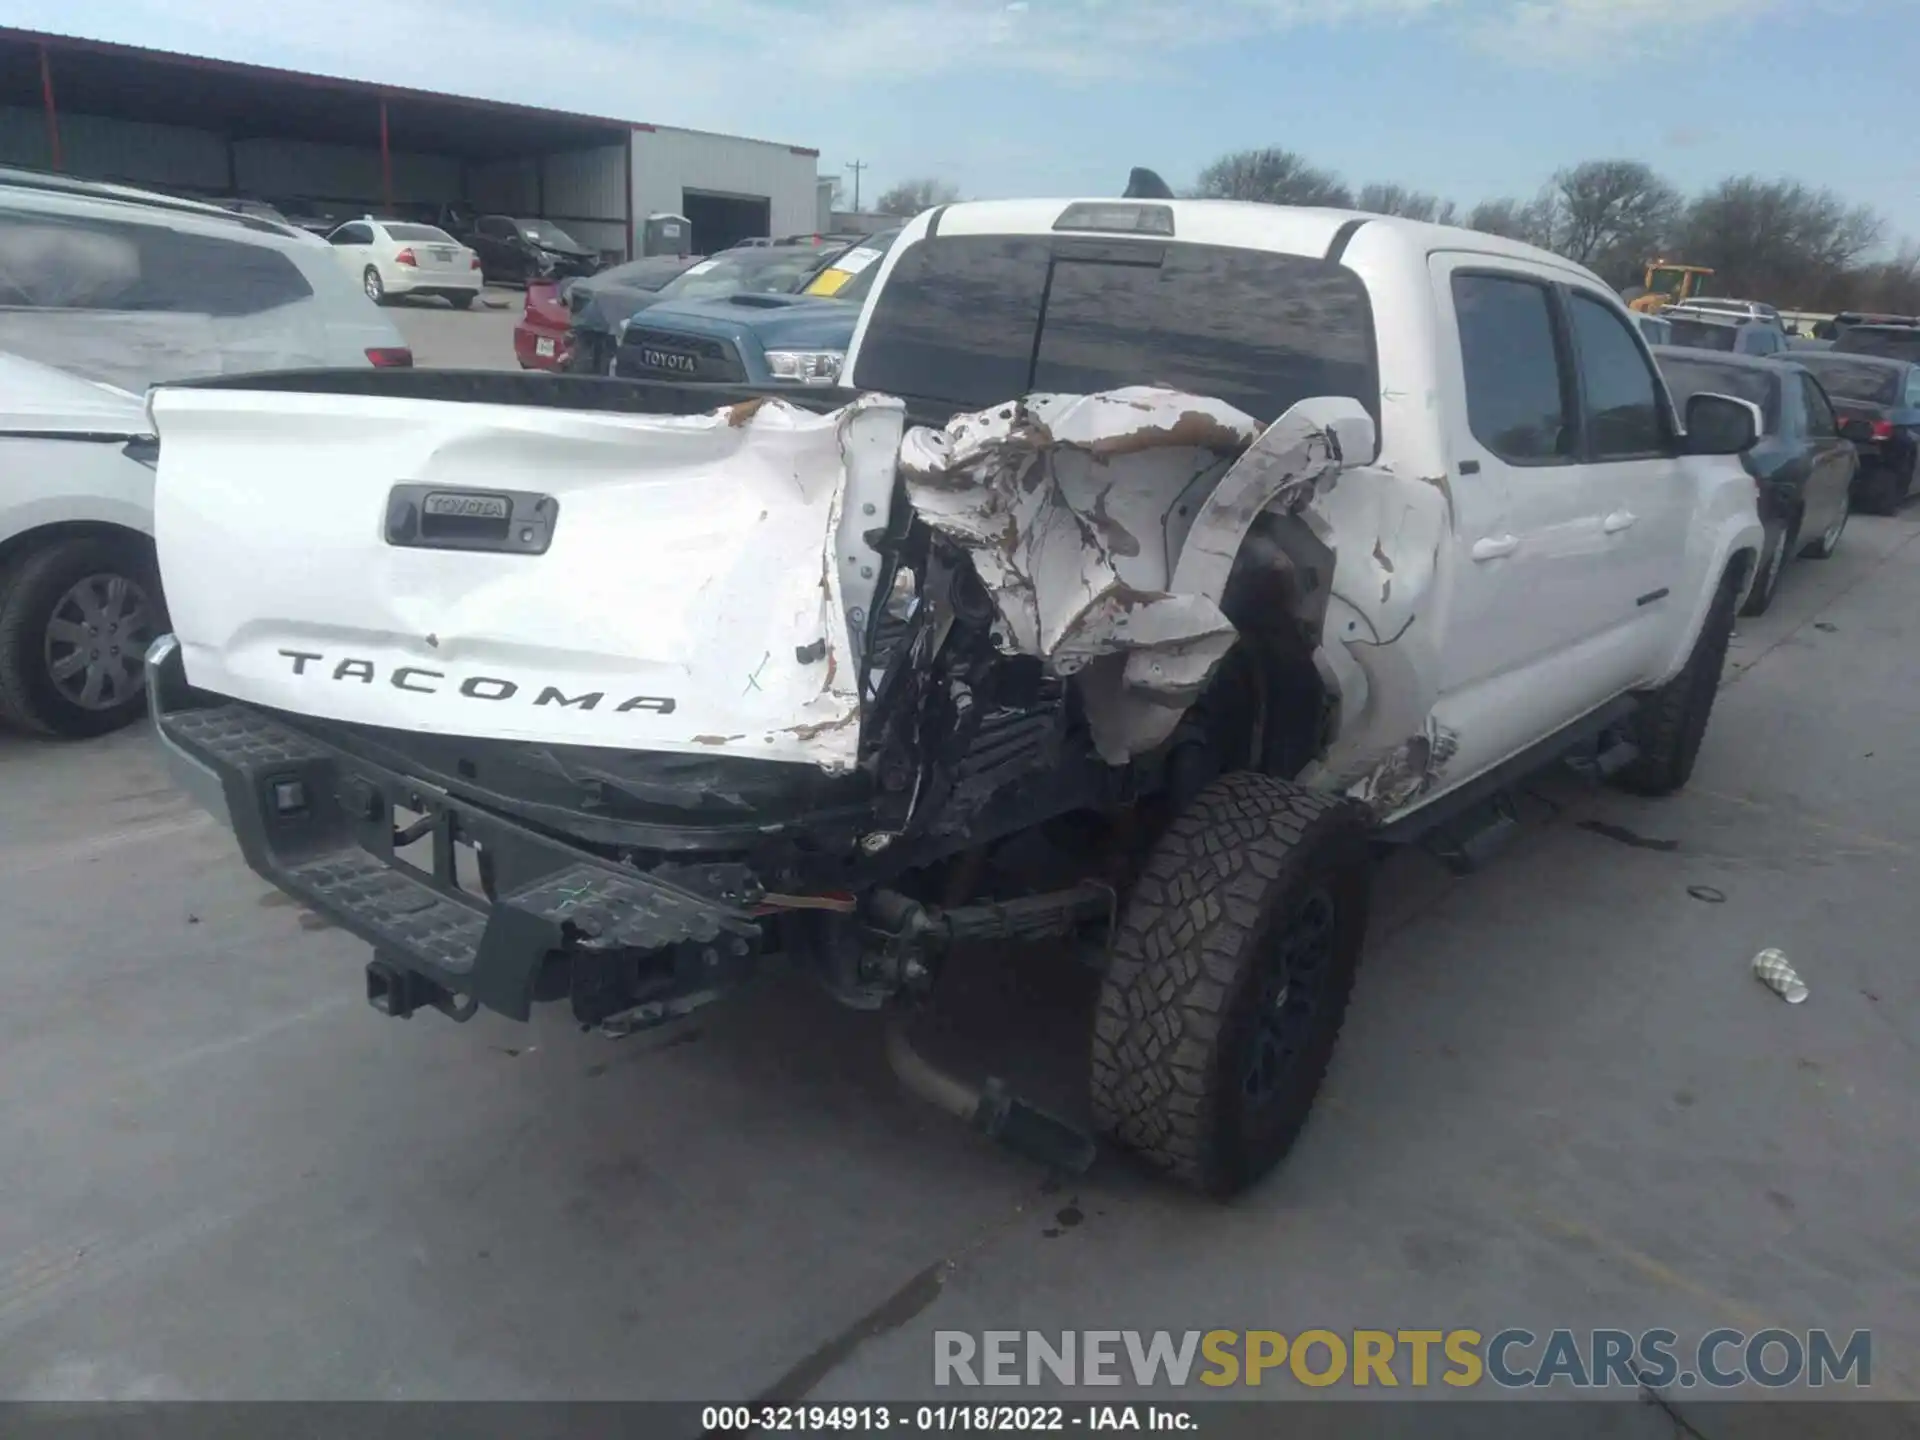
944,1419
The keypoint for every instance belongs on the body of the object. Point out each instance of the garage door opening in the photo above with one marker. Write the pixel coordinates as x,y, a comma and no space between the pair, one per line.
722,220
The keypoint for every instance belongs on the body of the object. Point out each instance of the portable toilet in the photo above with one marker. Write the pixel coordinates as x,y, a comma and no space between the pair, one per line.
667,234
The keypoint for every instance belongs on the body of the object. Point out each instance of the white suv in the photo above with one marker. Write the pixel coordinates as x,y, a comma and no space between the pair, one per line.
105,290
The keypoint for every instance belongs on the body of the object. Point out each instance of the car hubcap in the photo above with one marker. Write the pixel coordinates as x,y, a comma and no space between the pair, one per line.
1779,559
1832,537
1302,948
97,641
373,287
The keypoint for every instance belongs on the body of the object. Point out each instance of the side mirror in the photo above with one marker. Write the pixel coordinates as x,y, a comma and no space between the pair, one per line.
1721,425
1854,428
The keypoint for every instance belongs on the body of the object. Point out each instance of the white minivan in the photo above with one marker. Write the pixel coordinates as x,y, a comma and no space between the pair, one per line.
105,290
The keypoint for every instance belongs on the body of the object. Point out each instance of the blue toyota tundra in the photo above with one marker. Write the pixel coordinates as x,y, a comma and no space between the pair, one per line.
756,338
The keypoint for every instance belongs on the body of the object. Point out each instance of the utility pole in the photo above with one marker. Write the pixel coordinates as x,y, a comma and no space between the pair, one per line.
856,166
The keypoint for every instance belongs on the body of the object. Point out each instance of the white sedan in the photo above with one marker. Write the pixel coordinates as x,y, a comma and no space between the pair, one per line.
398,257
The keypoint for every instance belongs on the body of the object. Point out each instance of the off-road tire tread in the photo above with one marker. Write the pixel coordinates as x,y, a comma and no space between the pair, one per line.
1182,953
20,642
1672,721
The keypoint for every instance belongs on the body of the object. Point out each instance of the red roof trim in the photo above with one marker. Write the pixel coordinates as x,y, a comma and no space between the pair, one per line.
56,43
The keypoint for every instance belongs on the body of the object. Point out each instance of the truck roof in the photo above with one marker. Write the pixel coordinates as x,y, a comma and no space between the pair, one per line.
1244,224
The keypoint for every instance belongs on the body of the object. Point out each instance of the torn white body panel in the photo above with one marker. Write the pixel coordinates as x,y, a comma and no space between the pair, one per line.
1105,528
690,598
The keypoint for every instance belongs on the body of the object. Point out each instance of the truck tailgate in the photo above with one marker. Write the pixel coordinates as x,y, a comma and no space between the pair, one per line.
519,572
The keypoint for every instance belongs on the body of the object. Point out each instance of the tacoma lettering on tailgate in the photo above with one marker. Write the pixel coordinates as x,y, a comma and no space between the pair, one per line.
422,681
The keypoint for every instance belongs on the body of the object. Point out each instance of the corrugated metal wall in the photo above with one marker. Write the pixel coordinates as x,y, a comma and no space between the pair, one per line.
341,172
667,163
584,191
168,157
507,187
586,184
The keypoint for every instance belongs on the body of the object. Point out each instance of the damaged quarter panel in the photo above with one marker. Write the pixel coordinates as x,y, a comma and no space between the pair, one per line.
1063,505
694,594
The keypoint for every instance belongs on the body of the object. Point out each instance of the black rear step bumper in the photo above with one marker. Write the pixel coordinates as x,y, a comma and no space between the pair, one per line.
318,823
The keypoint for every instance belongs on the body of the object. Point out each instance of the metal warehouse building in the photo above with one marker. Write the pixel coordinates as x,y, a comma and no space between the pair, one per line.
212,128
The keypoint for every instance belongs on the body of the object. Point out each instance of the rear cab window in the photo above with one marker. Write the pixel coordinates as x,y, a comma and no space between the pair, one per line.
974,320
1704,335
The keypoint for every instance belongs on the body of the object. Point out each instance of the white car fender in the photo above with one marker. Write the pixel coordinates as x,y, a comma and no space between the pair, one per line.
98,483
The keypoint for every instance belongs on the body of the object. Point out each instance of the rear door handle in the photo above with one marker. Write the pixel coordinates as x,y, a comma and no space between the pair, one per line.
1618,521
1494,546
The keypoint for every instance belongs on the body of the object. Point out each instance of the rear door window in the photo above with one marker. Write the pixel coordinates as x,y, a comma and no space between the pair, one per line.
975,320
61,263
1516,384
1620,392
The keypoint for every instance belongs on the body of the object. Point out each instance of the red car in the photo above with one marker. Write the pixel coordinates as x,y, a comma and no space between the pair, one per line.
540,339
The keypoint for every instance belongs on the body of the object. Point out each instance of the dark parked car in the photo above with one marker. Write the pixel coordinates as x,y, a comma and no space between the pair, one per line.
599,306
1702,330
757,339
1802,464
1880,398
520,250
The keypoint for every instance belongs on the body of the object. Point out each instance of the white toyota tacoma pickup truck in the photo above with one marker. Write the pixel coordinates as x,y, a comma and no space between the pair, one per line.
1157,562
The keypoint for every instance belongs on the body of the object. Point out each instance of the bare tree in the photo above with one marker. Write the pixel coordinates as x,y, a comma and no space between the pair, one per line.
1411,204
1538,221
1273,176
910,197
1780,238
1613,215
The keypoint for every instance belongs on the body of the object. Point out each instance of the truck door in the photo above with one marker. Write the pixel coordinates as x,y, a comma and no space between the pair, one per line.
1534,634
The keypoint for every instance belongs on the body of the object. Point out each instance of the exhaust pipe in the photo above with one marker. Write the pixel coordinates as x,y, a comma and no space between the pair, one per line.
1023,1128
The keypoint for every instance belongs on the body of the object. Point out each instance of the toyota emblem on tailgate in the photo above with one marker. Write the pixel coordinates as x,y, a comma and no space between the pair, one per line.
467,506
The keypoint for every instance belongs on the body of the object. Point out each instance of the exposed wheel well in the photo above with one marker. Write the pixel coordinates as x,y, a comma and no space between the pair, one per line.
27,541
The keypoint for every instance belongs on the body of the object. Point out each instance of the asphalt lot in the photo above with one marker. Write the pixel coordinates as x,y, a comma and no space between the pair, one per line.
1561,1100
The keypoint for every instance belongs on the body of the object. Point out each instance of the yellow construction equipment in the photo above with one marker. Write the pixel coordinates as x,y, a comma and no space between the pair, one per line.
1667,283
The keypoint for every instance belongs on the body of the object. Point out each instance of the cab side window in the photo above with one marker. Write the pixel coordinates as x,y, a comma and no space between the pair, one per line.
1517,382
1620,394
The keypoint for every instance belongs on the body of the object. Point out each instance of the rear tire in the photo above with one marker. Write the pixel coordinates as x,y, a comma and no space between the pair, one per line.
1672,721
1229,979
1781,537
375,287
76,619
460,302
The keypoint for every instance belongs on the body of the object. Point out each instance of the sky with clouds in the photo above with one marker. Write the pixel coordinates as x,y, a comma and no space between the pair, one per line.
1468,98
